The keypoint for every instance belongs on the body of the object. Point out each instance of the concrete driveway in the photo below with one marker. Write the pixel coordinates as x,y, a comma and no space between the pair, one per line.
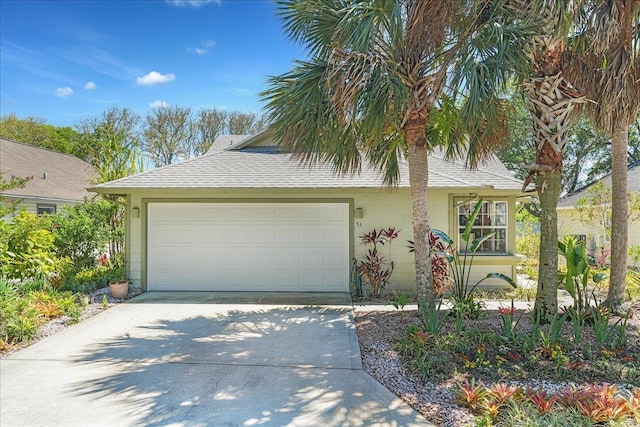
200,359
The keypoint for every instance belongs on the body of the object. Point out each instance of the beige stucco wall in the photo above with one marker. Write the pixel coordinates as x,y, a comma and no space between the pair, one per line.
381,208
568,223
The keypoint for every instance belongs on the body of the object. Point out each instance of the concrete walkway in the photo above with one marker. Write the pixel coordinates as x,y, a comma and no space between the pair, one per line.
198,359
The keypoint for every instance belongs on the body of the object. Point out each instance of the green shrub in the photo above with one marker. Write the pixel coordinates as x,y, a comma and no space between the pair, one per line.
27,249
82,232
25,307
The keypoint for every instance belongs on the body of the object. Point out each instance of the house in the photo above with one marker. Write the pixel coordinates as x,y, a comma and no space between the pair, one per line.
245,216
57,179
569,222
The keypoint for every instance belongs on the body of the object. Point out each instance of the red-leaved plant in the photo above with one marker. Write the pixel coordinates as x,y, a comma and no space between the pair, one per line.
439,264
374,268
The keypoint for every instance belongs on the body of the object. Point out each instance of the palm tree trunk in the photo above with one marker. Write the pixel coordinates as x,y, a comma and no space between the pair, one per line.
549,185
418,162
553,100
619,214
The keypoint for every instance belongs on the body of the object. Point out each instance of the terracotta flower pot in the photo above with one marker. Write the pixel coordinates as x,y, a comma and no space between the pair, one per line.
119,289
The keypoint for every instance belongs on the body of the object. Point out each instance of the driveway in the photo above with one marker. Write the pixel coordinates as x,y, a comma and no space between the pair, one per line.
200,359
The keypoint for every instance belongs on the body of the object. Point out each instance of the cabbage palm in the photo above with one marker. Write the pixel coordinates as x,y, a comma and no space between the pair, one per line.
552,102
393,79
608,70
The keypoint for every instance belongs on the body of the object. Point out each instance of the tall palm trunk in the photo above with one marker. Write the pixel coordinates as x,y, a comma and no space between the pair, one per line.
417,159
619,214
553,100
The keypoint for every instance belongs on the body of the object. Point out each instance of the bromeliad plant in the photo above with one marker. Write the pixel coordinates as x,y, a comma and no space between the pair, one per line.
374,268
579,276
461,265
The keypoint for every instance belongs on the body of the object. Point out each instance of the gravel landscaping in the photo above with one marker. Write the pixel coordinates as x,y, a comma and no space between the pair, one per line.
99,301
379,332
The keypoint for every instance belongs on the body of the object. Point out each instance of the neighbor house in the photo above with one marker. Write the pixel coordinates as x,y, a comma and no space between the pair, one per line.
569,221
56,179
245,216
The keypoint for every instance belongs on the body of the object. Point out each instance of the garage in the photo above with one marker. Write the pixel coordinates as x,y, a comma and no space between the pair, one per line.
294,247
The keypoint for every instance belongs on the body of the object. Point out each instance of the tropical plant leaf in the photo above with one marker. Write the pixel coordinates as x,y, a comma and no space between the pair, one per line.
503,277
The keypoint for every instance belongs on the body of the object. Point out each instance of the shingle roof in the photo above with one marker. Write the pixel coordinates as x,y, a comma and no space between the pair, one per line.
266,167
633,184
223,142
67,177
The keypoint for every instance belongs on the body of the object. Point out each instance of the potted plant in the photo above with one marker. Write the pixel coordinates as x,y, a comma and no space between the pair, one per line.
119,286
119,289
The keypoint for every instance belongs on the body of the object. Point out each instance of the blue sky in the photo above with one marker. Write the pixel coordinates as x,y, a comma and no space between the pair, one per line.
65,61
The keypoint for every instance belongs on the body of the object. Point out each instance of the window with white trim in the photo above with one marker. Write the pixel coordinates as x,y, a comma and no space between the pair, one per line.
492,218
45,209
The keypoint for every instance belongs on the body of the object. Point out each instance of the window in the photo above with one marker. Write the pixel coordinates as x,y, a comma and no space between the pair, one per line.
46,209
492,218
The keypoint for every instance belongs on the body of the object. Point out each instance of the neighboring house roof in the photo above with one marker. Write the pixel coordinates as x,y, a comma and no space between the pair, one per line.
224,142
257,163
55,175
633,184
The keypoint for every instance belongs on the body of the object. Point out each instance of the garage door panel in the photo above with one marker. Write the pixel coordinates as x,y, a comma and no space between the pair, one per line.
237,214
333,236
309,235
333,214
212,235
261,236
250,246
333,257
284,236
240,236
309,214
284,214
261,214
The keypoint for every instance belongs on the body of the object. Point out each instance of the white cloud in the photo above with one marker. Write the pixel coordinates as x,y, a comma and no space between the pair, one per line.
192,3
205,47
155,78
63,92
91,86
208,44
159,104
198,51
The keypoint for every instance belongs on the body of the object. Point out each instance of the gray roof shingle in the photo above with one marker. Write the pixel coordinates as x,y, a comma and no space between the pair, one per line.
224,142
633,184
265,167
67,177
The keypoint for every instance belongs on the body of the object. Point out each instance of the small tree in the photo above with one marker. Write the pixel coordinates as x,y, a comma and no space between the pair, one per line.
595,208
8,207
168,135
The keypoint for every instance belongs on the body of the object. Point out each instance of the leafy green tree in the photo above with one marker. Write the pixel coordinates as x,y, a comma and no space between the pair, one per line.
30,130
240,123
595,208
82,232
168,135
375,90
607,68
8,207
35,131
587,155
111,142
208,125
26,248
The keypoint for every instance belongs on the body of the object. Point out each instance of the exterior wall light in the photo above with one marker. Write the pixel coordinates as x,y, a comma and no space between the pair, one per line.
358,213
135,212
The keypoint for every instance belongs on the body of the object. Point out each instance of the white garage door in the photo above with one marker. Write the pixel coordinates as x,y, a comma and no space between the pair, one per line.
248,247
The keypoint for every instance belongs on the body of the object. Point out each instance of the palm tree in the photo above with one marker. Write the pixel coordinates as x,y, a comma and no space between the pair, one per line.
607,68
380,76
553,100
